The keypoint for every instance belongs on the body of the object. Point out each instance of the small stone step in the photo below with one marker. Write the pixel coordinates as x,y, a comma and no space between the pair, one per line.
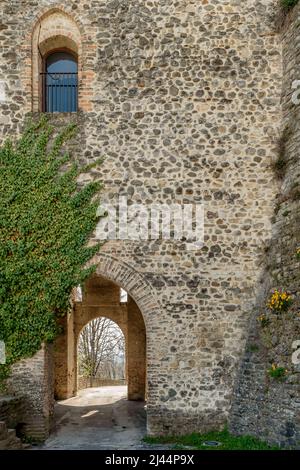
9,440
17,444
4,436
5,444
26,445
11,433
3,431
2,427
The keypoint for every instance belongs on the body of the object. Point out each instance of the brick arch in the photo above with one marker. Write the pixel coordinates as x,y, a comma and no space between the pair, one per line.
95,317
101,298
101,311
52,28
130,280
59,8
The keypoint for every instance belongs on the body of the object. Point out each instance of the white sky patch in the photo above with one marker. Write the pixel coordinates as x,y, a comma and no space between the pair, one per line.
123,296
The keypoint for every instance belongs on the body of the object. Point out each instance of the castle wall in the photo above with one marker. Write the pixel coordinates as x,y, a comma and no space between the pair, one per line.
184,103
33,381
264,406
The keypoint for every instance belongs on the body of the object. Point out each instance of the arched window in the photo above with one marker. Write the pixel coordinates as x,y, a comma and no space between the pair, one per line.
60,83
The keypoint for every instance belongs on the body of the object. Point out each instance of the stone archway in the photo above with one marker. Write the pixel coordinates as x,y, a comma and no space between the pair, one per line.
108,338
101,298
130,280
34,376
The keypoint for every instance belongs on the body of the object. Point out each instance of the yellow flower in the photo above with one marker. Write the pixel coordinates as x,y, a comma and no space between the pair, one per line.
279,300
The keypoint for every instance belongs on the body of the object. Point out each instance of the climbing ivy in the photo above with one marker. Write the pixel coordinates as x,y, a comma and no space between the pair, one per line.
45,224
288,4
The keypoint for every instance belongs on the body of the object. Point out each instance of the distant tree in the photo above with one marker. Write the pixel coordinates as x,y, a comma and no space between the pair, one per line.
101,349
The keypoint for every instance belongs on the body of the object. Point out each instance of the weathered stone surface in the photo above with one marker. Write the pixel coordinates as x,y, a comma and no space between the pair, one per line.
32,379
183,100
8,438
12,410
263,406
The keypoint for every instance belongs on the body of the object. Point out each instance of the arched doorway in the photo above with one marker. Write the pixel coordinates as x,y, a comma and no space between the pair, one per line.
101,355
105,408
101,297
143,308
57,362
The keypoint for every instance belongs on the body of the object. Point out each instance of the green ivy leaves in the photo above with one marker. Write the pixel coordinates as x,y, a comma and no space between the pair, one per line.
45,224
288,4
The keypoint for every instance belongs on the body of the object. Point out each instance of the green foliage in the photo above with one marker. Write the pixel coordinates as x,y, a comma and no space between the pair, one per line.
277,373
280,164
264,320
45,224
288,4
253,348
279,167
227,441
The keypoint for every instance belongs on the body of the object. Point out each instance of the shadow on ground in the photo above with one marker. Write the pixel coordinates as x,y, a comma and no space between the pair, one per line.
98,419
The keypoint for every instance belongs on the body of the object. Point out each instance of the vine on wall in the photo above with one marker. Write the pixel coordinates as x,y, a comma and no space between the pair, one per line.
45,224
288,4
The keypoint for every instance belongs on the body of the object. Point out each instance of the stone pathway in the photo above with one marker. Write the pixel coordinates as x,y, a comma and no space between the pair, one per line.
99,419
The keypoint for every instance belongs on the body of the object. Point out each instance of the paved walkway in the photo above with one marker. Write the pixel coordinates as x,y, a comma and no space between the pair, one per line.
98,418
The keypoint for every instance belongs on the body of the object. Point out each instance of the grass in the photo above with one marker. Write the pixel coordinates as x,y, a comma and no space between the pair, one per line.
229,442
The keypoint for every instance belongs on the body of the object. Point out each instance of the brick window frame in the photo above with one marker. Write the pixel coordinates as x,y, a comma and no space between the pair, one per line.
56,29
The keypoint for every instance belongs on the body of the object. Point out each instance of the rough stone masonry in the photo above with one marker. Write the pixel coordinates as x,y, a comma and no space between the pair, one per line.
183,99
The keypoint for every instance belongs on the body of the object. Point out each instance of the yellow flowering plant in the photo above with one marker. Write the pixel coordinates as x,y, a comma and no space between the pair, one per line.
264,320
279,301
277,372
298,253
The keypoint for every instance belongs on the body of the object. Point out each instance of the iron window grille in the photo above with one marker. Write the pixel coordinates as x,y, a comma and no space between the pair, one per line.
60,92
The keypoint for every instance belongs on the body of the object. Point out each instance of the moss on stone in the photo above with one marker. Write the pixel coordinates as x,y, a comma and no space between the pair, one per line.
288,4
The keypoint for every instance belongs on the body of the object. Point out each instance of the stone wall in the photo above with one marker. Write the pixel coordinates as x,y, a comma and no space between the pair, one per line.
8,438
185,106
263,406
32,379
12,410
136,353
